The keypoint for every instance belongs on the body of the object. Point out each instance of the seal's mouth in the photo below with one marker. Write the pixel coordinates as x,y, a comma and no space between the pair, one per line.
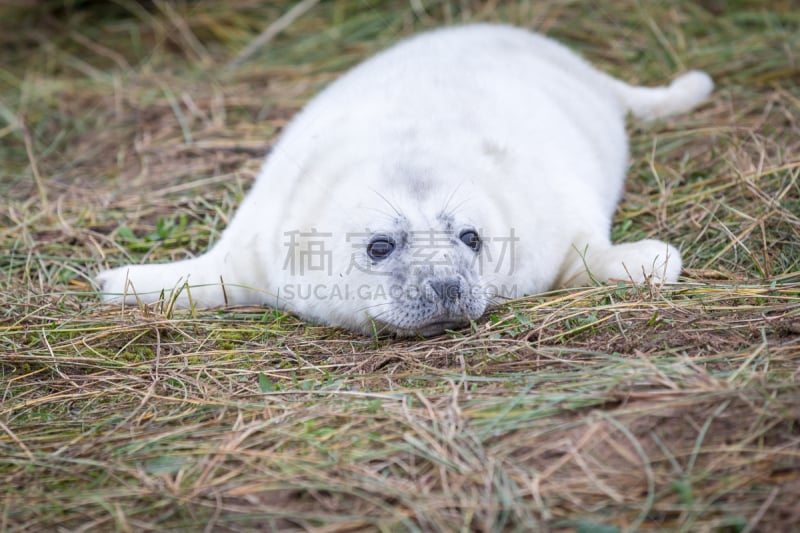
434,328
427,330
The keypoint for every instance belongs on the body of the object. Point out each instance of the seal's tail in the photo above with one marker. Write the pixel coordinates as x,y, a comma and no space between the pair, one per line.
649,103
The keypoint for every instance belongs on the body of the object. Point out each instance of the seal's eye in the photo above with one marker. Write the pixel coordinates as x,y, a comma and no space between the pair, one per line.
380,248
471,239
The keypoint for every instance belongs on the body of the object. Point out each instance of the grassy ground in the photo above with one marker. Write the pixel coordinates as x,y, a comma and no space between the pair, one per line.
123,138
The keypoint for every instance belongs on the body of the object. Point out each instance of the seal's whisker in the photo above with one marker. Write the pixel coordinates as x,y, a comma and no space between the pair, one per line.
390,204
451,196
373,306
390,217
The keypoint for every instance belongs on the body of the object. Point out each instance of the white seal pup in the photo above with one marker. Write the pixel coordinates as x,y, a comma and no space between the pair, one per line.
454,169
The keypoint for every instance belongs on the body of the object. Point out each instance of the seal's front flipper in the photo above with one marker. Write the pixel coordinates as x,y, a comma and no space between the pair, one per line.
183,284
647,260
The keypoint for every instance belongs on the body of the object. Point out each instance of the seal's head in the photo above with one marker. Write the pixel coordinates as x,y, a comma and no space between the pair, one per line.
406,258
422,277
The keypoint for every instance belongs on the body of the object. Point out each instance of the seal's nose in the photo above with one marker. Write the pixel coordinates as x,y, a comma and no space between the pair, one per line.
448,290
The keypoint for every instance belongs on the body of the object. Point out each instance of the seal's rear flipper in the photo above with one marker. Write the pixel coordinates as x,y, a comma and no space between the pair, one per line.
650,103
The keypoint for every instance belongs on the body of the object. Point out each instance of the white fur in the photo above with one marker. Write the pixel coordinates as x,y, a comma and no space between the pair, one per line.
485,127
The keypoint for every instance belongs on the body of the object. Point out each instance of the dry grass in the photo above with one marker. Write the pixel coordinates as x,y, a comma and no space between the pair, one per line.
122,137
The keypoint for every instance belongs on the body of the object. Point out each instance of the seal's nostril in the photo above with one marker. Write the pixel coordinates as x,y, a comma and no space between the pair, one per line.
448,290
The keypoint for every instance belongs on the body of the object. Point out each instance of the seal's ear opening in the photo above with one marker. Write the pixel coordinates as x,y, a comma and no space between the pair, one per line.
471,238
